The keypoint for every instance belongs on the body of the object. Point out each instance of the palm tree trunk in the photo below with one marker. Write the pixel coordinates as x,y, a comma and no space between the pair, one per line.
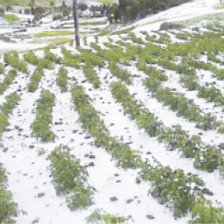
76,23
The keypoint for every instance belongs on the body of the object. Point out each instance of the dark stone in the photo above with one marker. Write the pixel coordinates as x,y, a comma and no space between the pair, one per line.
221,146
87,137
35,221
92,164
114,198
58,123
31,146
92,157
138,181
129,201
150,217
207,191
5,149
40,195
116,175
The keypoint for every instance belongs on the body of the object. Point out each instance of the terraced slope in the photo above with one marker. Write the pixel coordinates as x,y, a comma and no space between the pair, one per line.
126,129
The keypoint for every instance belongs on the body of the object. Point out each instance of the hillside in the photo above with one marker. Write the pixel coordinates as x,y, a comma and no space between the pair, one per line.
126,129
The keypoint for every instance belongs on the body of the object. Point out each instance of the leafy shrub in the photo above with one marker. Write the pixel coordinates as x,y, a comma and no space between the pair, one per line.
6,109
35,79
211,94
41,125
1,68
8,208
92,59
91,75
120,73
61,80
31,58
12,59
203,212
51,57
173,188
70,178
100,217
7,81
210,159
70,59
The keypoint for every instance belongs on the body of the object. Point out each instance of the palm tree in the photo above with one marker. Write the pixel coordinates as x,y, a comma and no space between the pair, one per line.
76,23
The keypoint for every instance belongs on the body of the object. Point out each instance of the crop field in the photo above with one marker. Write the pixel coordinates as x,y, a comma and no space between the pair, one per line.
126,129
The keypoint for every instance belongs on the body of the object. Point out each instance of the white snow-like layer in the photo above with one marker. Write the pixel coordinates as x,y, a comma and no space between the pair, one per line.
182,12
122,128
28,169
29,175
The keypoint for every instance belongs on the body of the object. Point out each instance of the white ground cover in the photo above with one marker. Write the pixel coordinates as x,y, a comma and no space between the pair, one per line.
25,157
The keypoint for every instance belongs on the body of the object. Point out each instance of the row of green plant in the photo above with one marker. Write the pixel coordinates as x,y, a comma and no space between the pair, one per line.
205,157
35,79
190,52
177,102
6,110
95,126
189,80
8,208
182,192
70,178
62,80
70,59
1,68
12,59
101,217
49,56
120,73
7,81
91,75
31,58
42,122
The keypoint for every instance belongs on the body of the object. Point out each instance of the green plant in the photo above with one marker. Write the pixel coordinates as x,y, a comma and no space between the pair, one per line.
61,80
8,208
7,81
205,157
51,57
1,68
35,79
41,125
70,178
6,109
91,121
70,59
12,58
91,75
203,212
31,58
120,73
173,188
100,217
